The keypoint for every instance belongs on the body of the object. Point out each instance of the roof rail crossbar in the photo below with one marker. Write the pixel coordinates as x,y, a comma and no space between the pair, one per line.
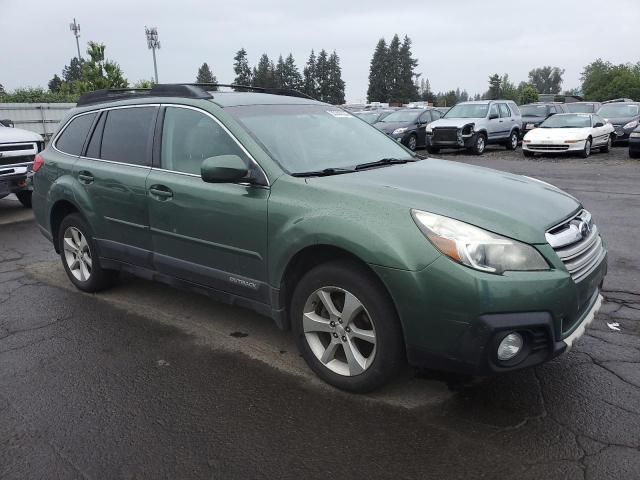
273,91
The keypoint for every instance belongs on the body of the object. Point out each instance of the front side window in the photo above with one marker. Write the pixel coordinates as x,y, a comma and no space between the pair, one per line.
504,110
127,135
189,137
72,138
304,138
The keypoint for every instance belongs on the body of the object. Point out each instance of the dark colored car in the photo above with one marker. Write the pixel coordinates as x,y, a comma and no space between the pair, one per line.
408,125
373,256
533,114
624,116
634,143
373,116
582,107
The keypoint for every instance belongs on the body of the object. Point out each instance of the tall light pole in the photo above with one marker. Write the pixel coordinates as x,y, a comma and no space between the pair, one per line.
75,28
154,44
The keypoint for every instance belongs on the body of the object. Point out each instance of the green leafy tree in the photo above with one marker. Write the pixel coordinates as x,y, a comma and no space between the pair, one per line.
241,68
310,86
495,82
55,83
546,79
508,90
37,95
205,75
378,85
336,85
1,89
98,72
526,93
264,73
73,71
144,83
604,81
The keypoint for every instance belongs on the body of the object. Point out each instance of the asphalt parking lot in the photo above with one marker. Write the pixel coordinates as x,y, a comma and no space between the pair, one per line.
148,382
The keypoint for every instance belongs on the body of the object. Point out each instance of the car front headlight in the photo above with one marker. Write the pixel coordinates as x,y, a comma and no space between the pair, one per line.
398,131
631,124
477,248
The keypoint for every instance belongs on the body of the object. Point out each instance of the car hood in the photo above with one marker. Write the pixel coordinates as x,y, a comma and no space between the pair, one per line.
454,122
555,134
620,120
389,127
11,135
511,205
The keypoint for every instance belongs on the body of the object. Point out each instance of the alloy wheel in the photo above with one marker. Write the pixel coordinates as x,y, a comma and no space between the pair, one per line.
77,254
514,141
339,331
480,144
412,143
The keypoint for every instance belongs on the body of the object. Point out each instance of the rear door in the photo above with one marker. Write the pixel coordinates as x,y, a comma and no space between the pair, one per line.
211,234
113,171
507,120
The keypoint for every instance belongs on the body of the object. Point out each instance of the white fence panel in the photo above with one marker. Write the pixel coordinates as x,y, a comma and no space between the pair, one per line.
42,118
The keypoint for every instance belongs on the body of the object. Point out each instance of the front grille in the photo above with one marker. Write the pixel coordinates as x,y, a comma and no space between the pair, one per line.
445,134
4,161
539,340
578,244
548,148
17,146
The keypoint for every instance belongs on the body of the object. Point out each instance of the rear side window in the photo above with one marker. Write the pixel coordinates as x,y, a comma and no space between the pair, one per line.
127,135
504,110
93,150
72,138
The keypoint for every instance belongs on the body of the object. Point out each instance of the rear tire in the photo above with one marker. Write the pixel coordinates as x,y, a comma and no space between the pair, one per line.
480,143
79,255
512,144
24,196
339,353
587,149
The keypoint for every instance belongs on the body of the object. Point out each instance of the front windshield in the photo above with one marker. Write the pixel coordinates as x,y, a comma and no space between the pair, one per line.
402,116
468,110
567,120
303,138
534,110
620,110
369,117
580,107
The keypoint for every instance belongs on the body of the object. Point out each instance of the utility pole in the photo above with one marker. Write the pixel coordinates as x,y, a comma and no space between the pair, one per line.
75,28
153,44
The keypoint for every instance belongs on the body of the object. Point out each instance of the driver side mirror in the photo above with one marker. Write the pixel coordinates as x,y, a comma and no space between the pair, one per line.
223,169
598,124
493,116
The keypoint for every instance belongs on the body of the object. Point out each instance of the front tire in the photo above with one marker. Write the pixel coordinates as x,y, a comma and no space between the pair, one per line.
607,146
79,256
634,154
412,142
24,196
512,144
587,149
479,144
346,327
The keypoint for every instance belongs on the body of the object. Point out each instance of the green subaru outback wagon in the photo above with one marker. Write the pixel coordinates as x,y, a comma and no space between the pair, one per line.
296,209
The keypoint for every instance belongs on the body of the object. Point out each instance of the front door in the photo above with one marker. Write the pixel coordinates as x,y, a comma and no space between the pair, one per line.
494,125
211,234
113,171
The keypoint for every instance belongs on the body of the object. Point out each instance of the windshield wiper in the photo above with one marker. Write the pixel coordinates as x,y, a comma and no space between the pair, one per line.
384,161
323,173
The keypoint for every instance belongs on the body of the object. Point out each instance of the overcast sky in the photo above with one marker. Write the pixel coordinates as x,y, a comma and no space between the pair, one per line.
458,43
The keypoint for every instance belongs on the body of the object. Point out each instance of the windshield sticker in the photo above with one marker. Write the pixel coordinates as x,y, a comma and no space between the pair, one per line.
339,114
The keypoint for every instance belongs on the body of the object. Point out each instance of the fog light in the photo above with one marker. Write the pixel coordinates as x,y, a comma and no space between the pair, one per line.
510,346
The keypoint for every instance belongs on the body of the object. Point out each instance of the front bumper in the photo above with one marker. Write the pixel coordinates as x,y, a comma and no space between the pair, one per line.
453,316
549,147
15,179
462,141
622,134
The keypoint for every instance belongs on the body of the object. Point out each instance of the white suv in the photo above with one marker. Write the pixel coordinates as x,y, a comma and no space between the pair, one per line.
18,149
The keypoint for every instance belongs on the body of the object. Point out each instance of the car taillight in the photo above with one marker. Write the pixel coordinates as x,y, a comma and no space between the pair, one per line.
38,162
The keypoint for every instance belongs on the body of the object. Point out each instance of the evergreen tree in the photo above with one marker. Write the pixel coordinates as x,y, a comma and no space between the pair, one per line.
508,90
73,71
205,75
394,86
55,83
406,90
322,76
494,87
241,68
335,83
292,76
309,83
378,91
264,74
280,73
